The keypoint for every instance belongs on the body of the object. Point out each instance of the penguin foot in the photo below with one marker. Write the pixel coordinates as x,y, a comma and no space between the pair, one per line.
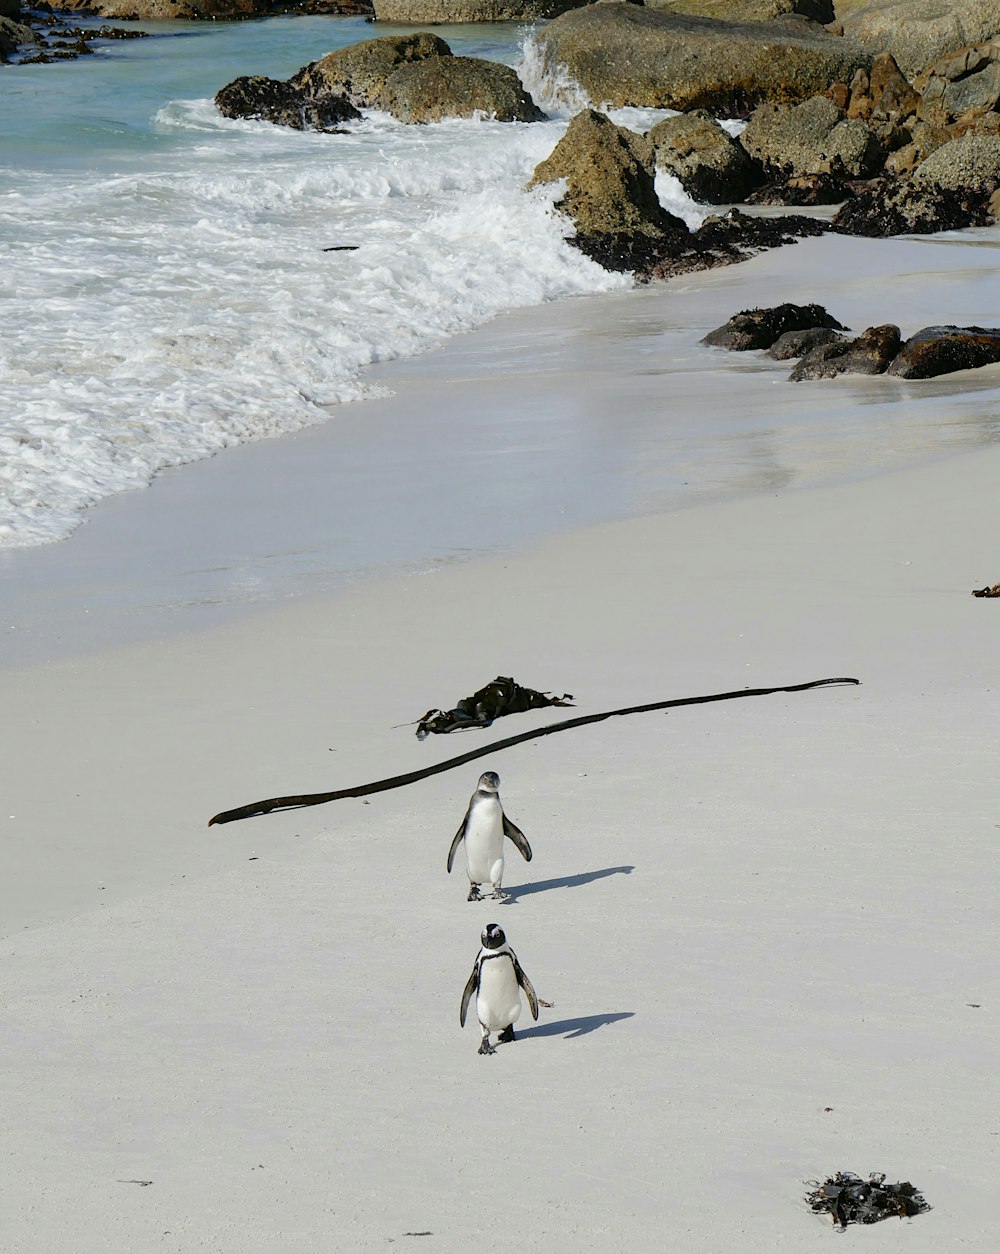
474,894
499,895
507,1035
486,1047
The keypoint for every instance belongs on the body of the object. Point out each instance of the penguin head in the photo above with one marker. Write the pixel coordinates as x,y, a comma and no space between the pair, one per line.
493,936
489,781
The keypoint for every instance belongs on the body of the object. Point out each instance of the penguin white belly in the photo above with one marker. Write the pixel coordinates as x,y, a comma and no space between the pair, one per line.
499,1000
484,842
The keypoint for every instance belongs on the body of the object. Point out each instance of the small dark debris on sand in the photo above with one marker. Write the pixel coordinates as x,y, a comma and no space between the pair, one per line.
850,1200
987,592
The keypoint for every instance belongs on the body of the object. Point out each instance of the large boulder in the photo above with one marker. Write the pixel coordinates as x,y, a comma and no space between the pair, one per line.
811,138
963,85
748,10
870,353
626,54
942,350
710,164
609,178
457,87
361,71
424,12
14,35
761,328
905,207
918,32
11,9
970,163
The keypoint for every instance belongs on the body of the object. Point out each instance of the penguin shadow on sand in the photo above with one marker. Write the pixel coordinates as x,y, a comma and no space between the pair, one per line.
565,881
572,1028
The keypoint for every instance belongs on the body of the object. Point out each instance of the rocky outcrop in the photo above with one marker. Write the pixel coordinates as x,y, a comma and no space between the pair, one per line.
961,87
210,10
870,353
918,32
625,54
942,350
904,207
284,103
14,35
797,343
457,87
413,77
361,71
760,328
711,165
749,10
814,137
423,12
11,9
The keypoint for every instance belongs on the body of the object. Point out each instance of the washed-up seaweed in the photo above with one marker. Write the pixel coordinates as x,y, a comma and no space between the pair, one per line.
987,592
299,800
850,1200
502,696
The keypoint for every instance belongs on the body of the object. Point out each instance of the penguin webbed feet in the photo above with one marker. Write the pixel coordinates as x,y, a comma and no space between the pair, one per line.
485,1047
474,893
507,1035
498,894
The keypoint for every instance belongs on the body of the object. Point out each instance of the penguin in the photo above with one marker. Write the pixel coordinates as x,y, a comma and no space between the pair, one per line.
483,829
497,980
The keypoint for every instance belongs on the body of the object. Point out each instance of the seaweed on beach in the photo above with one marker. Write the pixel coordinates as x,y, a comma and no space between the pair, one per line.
993,591
849,1199
494,700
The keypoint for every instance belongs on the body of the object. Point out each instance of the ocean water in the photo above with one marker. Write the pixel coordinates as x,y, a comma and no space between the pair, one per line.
165,287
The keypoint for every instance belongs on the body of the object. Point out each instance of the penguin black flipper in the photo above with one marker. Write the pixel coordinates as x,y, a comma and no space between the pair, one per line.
471,988
529,988
459,837
520,841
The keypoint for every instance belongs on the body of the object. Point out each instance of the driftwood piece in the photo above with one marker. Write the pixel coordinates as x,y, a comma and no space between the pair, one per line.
411,777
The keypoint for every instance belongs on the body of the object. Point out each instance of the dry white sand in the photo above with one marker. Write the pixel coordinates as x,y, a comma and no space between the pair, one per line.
768,927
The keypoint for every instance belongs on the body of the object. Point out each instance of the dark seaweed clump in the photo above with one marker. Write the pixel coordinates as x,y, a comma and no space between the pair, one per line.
851,1200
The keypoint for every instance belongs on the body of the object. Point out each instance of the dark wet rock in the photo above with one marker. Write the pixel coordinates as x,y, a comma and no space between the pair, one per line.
760,328
712,166
919,32
942,350
283,103
423,12
890,207
609,175
749,10
628,54
811,138
11,9
850,1200
361,71
457,87
811,189
797,343
14,35
870,353
970,163
725,240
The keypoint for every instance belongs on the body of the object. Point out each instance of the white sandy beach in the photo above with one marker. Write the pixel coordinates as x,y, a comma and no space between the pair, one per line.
768,926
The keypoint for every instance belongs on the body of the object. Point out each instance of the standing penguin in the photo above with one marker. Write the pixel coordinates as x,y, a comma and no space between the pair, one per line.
483,829
497,980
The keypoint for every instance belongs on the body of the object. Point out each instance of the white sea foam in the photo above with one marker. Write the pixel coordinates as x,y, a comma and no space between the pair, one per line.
163,308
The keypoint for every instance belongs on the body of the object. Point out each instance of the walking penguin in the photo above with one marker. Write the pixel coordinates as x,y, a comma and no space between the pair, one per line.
483,829
496,981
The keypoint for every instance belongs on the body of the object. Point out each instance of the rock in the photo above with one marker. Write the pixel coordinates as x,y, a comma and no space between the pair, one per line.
905,207
798,343
284,103
170,10
721,240
811,138
710,164
964,85
421,12
11,9
870,353
630,55
609,176
918,32
749,10
942,350
14,35
457,87
760,328
361,71
970,164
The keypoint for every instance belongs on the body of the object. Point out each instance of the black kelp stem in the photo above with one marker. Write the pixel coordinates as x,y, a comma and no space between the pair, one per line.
411,777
